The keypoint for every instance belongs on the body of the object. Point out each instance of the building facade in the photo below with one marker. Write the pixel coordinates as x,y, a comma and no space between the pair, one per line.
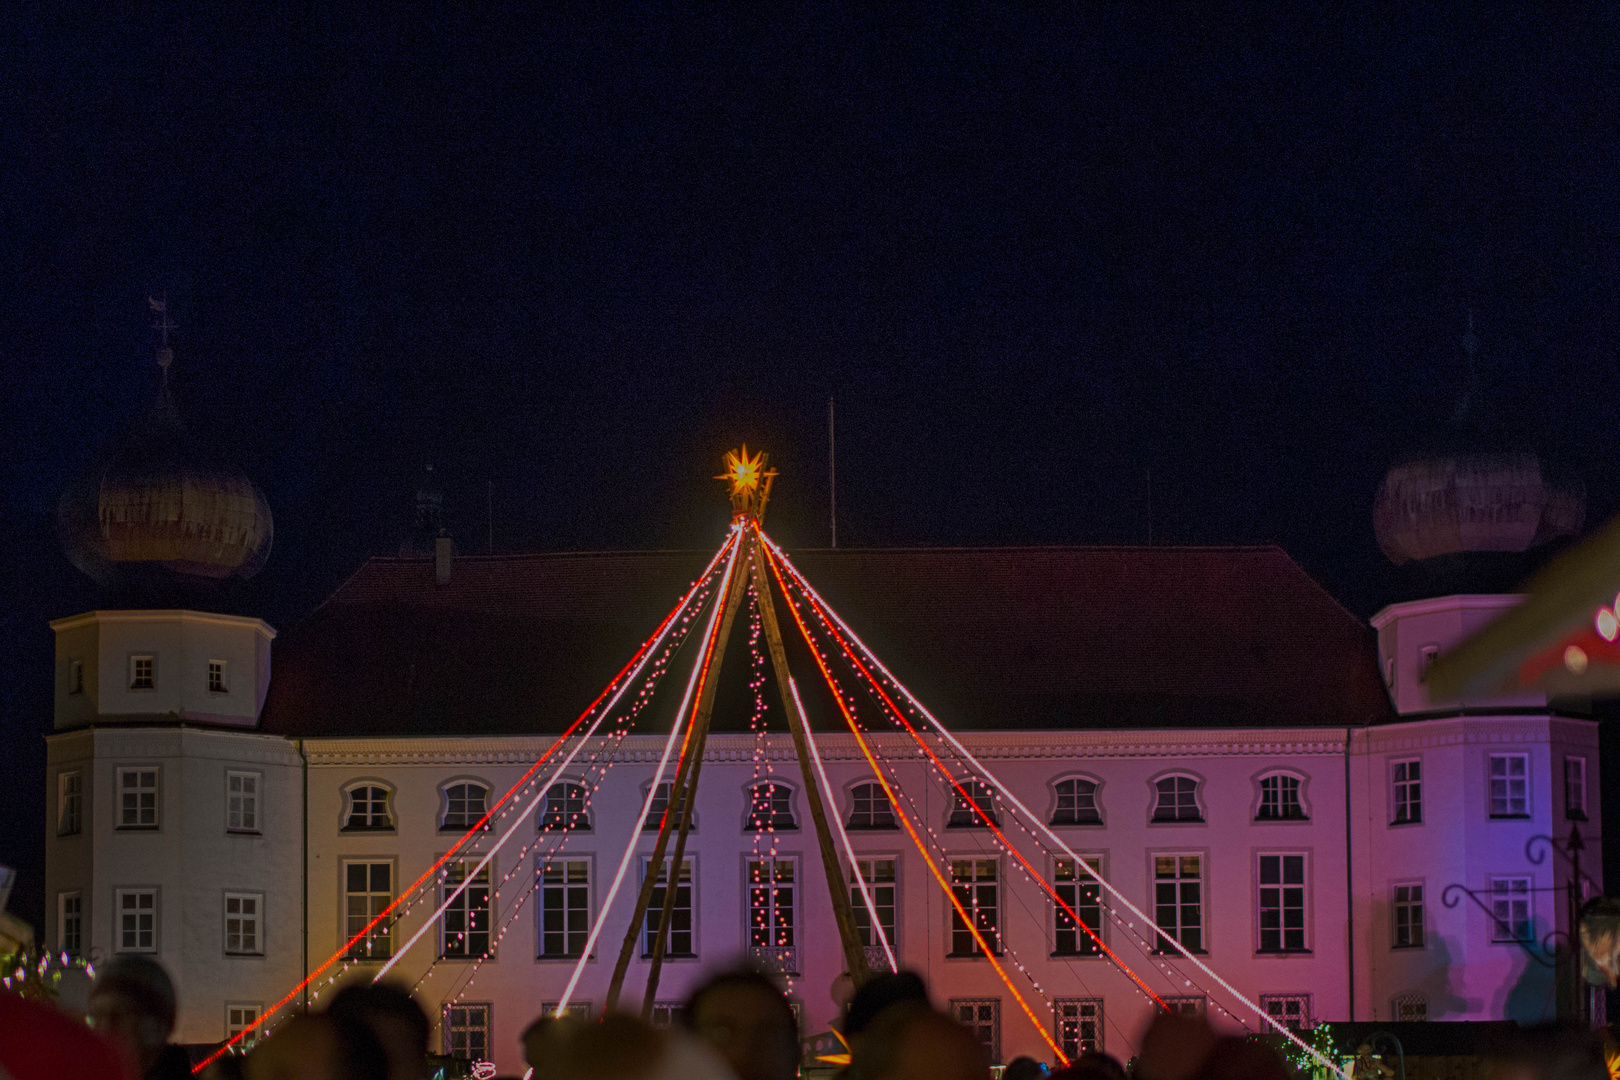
1243,760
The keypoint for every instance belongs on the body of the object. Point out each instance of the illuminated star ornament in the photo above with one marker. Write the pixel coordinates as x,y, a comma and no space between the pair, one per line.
744,474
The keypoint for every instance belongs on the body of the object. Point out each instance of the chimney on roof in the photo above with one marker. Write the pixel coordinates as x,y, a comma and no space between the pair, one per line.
444,555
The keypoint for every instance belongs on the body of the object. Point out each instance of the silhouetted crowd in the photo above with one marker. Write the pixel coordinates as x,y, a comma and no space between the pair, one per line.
737,1026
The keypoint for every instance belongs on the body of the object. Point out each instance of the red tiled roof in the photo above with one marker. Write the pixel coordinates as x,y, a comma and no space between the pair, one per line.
987,637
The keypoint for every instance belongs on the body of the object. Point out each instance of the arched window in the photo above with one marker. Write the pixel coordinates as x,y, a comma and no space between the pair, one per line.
1178,799
1076,802
770,807
565,807
464,804
871,809
963,815
1279,799
660,802
368,808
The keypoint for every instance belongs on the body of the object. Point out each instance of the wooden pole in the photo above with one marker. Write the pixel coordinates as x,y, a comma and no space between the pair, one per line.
843,911
688,794
700,719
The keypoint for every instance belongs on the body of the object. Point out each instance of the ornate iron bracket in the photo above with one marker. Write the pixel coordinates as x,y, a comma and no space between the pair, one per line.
1452,895
1537,856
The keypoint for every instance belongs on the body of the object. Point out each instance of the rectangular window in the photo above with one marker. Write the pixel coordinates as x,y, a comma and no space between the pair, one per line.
465,929
466,1030
1407,906
1575,788
977,887
1511,914
238,1018
575,1010
216,677
1080,891
69,803
1406,792
982,1016
1079,1025
1510,785
142,672
879,875
368,888
75,676
1186,1004
565,908
138,798
772,938
70,923
1292,1011
1281,903
1178,900
137,920
680,942
665,1014
242,924
242,802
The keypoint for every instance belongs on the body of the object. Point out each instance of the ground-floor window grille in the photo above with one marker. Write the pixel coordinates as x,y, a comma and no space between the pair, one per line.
1406,1008
1079,1025
982,1016
467,1030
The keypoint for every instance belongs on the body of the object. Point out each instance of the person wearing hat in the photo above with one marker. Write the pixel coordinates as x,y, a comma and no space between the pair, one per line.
132,1004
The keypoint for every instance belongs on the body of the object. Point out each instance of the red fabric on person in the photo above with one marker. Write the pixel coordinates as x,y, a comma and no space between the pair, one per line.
37,1042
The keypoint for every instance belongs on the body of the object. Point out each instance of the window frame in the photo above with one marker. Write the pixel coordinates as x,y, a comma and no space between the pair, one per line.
880,805
448,1031
961,814
1573,810
1395,906
344,862
74,799
1079,1046
750,803
1080,881
1153,818
573,825
444,825
542,864
1306,903
1301,798
119,773
75,677
1529,906
1490,786
1179,1003
251,1037
258,923
1096,803
689,862
854,872
222,685
993,1048
118,918
257,828
388,791
467,863
152,676
1308,1013
76,947
768,960
994,936
1395,804
655,811
1204,919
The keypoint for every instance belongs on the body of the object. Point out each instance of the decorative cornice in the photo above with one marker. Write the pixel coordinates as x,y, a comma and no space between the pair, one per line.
71,622
993,746
1475,731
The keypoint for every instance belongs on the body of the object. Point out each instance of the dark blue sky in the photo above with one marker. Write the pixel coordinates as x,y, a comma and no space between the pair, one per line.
576,255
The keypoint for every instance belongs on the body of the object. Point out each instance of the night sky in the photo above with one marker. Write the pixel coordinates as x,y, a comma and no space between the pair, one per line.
569,258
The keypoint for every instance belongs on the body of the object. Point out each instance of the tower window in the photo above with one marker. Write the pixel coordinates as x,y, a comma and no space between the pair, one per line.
75,676
142,672
216,677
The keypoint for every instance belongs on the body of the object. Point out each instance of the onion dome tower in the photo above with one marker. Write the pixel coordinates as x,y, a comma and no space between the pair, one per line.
1468,511
157,522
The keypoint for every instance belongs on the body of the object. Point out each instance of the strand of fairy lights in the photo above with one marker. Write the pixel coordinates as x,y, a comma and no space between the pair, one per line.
894,801
528,809
843,834
778,555
699,670
635,662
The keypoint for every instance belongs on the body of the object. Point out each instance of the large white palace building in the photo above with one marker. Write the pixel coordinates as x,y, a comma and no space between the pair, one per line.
1264,775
